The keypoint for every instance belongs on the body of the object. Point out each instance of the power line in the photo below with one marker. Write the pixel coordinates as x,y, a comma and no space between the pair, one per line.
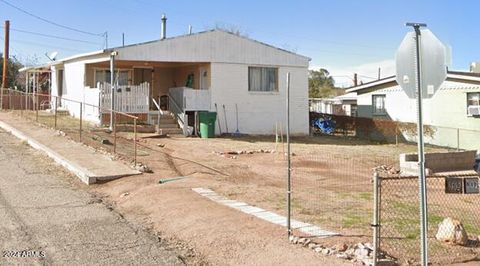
49,21
45,45
53,36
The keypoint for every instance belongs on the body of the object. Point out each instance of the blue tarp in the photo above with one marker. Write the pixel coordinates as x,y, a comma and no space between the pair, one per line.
325,125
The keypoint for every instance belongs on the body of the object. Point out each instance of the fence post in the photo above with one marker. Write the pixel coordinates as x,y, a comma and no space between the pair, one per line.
376,215
56,108
135,141
10,99
458,139
36,107
81,118
114,132
21,104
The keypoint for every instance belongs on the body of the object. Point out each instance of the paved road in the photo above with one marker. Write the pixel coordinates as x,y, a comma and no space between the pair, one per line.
44,220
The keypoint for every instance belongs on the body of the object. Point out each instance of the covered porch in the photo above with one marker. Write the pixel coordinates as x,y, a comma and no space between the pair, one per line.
151,90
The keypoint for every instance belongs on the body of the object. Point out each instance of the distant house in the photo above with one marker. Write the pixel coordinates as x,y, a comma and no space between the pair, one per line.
453,112
207,71
340,105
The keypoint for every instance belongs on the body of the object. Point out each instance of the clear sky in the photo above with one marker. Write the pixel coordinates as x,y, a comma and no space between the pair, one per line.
342,36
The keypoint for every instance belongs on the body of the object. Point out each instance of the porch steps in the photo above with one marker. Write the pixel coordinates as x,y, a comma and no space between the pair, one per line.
168,123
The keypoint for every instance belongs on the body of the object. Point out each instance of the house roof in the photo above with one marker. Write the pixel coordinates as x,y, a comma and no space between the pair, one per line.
204,32
186,36
456,76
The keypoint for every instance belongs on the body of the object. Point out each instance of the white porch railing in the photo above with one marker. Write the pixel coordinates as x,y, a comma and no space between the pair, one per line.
190,99
127,99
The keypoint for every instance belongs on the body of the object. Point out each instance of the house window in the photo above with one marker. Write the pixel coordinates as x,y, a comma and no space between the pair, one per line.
378,102
103,75
473,103
262,79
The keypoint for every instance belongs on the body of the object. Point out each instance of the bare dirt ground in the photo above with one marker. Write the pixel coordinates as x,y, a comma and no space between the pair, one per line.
331,184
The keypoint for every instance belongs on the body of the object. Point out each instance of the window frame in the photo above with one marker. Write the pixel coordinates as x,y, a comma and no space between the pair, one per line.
276,88
104,70
468,101
374,105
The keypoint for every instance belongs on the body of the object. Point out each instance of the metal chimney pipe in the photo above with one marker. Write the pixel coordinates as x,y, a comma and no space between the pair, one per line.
189,29
164,27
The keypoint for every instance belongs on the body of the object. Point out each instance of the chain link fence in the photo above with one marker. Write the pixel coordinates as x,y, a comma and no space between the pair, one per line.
399,223
79,122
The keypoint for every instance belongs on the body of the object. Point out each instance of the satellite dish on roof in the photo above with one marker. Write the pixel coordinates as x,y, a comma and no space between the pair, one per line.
52,56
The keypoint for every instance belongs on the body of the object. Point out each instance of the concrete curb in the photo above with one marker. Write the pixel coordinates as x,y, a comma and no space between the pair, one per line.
85,175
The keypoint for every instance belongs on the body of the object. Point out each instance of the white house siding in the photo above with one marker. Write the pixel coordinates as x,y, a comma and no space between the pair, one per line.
446,110
258,111
74,88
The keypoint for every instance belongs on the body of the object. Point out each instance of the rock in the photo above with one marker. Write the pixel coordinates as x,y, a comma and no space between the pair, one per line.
367,261
326,251
124,194
350,251
106,142
302,241
295,239
343,256
318,249
361,252
161,145
291,238
143,168
341,247
307,241
452,231
369,246
59,133
312,245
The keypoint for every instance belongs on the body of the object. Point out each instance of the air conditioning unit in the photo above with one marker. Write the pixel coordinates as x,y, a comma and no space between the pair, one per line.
473,110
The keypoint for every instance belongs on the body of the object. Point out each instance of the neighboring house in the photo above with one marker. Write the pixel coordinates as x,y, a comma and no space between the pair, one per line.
453,111
341,105
205,71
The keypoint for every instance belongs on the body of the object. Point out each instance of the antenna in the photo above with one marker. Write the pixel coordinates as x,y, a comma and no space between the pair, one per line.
52,56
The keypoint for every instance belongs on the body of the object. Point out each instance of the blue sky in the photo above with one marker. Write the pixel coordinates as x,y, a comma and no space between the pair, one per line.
342,36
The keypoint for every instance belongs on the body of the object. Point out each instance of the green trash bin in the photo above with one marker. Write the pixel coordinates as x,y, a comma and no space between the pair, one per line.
207,124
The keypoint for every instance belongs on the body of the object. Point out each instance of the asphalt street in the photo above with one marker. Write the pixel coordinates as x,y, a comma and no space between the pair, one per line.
45,219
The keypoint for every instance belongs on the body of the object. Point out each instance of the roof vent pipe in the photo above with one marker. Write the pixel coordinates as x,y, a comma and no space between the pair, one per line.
189,29
164,27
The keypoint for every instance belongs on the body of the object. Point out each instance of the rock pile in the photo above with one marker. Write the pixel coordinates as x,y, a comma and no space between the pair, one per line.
361,253
452,231
233,154
386,169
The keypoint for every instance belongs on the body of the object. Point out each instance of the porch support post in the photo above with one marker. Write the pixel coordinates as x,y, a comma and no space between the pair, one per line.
112,87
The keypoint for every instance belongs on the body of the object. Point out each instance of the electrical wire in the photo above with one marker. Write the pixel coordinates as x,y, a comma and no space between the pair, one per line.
52,36
49,21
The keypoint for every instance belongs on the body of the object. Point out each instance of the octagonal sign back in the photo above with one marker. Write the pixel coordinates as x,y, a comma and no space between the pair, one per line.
432,63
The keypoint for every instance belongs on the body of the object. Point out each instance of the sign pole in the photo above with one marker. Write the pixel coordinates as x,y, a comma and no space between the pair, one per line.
421,154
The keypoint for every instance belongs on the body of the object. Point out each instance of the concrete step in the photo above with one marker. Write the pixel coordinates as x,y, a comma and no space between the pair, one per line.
171,131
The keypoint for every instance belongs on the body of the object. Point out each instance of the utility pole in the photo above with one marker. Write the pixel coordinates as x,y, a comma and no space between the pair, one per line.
5,62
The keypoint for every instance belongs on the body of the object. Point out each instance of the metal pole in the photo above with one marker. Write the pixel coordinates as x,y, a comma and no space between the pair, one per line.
56,108
112,87
36,107
376,217
115,134
421,154
135,141
458,139
81,118
289,170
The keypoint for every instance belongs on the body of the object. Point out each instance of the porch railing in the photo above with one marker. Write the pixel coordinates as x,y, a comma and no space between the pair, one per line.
183,99
127,99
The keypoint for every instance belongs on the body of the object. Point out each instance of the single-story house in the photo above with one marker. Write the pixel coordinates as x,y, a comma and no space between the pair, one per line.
340,105
453,112
243,79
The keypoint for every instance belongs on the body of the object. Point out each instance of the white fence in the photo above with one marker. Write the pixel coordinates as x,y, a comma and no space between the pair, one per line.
127,99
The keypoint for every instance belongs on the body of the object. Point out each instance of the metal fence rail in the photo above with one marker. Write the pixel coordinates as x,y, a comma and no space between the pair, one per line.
74,123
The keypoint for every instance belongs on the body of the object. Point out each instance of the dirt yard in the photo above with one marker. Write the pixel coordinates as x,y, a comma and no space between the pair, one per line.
331,184
331,188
